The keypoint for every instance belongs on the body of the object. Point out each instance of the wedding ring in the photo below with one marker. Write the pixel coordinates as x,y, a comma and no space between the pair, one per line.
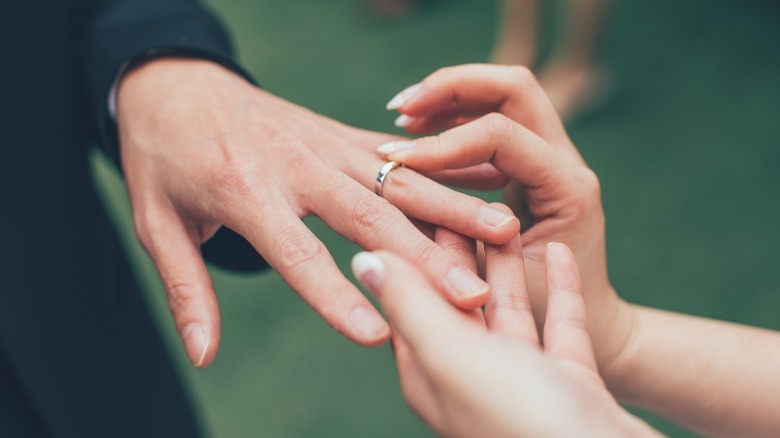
383,171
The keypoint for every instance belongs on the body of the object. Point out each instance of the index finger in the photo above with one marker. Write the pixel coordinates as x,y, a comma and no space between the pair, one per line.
510,147
478,89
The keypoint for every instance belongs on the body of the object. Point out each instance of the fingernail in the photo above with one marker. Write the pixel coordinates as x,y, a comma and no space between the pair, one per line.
466,283
196,343
404,96
367,324
494,217
395,146
556,248
369,270
403,121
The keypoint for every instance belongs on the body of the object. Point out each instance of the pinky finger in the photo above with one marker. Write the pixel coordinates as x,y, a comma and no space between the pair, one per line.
188,286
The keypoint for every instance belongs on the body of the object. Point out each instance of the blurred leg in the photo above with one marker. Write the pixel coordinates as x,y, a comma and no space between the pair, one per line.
572,76
516,38
390,9
584,20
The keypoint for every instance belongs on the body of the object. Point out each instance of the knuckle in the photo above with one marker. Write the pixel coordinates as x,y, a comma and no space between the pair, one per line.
370,213
234,177
457,246
442,74
431,254
437,144
505,297
147,221
573,319
294,249
180,294
498,127
590,182
589,193
523,75
141,232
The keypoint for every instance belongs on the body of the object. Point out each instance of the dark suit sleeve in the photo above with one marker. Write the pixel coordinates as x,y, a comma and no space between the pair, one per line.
115,35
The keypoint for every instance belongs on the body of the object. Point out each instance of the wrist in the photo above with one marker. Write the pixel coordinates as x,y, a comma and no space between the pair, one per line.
624,340
161,74
195,98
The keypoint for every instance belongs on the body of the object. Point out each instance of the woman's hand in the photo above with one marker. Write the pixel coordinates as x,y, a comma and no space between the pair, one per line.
500,115
468,376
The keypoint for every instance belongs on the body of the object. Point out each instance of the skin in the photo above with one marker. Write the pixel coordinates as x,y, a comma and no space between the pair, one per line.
467,376
717,378
202,148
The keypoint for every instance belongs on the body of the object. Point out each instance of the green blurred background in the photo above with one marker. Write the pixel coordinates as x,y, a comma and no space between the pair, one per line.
688,151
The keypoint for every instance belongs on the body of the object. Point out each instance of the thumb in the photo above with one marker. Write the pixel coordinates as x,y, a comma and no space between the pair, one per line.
433,328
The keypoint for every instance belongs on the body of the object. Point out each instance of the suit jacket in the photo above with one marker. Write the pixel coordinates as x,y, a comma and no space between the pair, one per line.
79,355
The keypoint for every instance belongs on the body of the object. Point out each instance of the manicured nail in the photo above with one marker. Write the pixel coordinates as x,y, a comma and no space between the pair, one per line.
404,96
369,270
196,343
493,217
466,283
403,121
395,147
366,323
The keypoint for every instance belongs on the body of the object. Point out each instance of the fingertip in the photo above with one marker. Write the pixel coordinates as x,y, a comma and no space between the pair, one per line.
197,343
402,98
369,269
368,327
556,247
466,289
502,206
473,302
562,271
499,223
559,254
404,121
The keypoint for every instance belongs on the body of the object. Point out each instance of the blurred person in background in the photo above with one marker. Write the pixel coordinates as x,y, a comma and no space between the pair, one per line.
388,9
572,76
714,377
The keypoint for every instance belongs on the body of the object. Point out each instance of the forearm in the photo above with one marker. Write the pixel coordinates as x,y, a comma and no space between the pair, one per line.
715,377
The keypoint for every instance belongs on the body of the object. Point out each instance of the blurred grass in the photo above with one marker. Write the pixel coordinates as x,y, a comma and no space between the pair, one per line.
688,152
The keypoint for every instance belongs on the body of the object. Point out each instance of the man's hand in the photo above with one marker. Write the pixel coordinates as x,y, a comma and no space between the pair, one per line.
500,115
202,148
468,376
